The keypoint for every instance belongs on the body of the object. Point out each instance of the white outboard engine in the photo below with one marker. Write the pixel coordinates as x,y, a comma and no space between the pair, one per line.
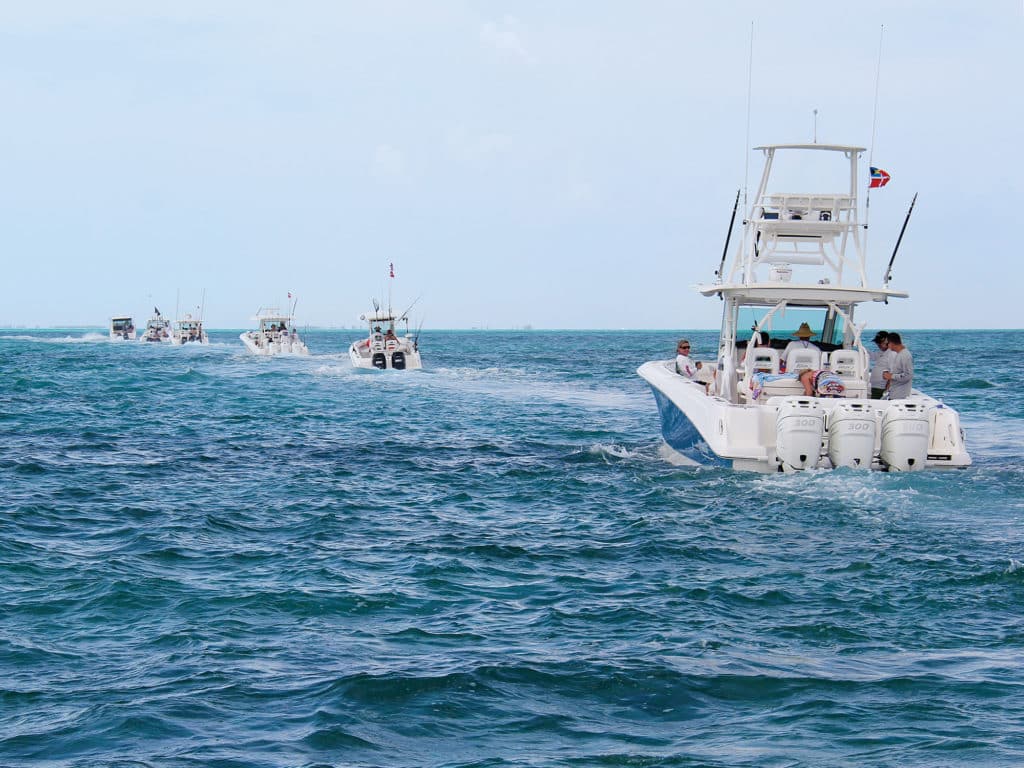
851,435
799,426
904,437
946,438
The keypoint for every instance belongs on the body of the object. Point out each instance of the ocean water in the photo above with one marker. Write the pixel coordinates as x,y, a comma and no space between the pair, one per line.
209,559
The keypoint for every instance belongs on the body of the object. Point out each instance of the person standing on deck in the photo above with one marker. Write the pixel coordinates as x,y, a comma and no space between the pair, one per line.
901,375
881,361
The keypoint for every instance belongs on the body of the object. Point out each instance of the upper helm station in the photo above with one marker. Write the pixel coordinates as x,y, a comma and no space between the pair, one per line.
800,250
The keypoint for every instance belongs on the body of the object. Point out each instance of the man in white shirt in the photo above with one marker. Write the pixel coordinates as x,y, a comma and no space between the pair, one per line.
901,377
803,334
684,365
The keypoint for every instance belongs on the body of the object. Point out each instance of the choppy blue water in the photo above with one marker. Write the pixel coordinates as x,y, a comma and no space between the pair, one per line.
209,559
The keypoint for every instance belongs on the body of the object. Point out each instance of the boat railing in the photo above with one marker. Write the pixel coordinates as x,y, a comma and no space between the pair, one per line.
793,217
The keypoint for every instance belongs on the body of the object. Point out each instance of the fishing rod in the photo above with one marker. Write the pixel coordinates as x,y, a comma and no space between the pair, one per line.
416,338
406,313
728,236
888,270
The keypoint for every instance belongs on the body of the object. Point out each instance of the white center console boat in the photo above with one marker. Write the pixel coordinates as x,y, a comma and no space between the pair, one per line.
122,328
275,335
189,330
383,349
799,272
158,329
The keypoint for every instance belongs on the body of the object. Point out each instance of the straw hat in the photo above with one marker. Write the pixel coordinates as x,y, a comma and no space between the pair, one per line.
804,331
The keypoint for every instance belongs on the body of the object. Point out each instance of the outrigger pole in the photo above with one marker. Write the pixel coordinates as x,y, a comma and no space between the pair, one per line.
888,270
728,236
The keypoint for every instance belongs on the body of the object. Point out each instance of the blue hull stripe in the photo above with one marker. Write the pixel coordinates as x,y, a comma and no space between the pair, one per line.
680,433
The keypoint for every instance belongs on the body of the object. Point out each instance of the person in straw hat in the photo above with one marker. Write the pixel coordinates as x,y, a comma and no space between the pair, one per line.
803,341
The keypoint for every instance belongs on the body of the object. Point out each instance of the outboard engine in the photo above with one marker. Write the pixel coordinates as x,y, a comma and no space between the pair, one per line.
799,426
398,360
379,361
851,435
946,439
904,437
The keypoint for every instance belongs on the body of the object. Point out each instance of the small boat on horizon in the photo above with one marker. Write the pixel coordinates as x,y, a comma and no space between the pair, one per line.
158,329
275,334
122,328
800,271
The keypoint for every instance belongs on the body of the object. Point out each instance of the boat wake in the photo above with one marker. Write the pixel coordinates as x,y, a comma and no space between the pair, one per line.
88,338
669,454
608,451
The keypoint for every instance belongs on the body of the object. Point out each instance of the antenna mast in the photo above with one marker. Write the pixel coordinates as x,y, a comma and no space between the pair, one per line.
750,88
746,148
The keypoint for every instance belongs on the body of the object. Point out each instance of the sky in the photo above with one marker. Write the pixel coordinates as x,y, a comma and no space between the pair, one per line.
554,165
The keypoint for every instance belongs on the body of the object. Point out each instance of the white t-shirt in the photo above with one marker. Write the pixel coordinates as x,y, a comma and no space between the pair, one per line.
799,344
685,366
883,362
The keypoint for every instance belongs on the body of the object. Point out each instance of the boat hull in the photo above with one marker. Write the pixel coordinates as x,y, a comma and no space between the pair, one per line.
364,360
681,434
263,347
711,430
180,341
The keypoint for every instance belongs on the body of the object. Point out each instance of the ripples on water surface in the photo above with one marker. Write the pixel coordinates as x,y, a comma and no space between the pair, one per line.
209,559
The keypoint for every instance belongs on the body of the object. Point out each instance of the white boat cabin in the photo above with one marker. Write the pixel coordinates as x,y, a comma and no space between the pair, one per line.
122,327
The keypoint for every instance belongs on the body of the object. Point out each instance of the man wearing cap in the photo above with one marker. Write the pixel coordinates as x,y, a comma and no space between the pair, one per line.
881,361
803,335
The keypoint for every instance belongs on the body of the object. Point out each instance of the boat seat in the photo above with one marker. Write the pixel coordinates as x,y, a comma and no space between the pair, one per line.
762,359
799,359
846,363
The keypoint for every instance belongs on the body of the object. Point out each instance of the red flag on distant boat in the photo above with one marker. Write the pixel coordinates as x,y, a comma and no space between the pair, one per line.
879,178
392,268
289,294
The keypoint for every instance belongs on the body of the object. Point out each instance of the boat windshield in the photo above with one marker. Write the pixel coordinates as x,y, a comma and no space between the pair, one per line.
826,326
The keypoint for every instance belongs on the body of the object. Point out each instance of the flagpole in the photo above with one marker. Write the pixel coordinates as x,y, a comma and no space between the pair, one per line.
391,280
874,125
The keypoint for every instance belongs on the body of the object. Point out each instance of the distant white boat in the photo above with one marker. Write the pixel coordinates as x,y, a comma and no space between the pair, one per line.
158,329
383,349
189,330
122,328
275,335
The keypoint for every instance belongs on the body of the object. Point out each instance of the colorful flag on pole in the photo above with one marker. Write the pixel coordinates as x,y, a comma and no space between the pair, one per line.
879,178
289,294
392,268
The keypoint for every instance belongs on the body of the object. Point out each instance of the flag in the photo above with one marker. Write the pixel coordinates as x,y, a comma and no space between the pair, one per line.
392,268
879,178
289,294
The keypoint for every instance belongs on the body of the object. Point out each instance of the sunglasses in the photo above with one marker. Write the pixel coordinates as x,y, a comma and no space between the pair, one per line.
683,346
